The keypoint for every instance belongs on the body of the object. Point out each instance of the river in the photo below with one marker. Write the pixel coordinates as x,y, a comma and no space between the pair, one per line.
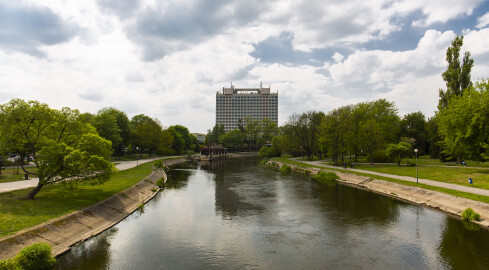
235,214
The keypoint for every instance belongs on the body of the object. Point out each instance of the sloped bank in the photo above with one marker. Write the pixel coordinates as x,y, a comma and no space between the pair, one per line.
63,232
437,200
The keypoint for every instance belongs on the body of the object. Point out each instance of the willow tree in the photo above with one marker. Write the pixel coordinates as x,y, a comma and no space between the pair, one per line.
65,148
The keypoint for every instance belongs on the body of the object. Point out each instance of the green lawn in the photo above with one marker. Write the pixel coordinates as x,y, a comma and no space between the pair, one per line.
448,174
471,196
56,200
8,175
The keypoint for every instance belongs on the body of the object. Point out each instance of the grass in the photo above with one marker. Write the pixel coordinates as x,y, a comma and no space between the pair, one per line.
8,175
454,175
461,194
56,200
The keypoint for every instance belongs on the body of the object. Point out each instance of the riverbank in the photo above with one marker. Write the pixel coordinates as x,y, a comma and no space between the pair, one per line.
63,232
437,200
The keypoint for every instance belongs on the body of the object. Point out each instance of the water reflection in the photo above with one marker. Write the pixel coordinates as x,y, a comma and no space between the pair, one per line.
91,254
234,214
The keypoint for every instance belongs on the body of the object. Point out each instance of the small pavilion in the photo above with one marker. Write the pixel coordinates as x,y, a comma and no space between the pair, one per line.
211,152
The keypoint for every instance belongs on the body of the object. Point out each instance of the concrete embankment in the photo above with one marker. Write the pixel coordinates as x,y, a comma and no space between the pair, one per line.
63,232
434,199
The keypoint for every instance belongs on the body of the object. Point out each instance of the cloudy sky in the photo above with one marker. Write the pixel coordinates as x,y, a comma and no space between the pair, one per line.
167,59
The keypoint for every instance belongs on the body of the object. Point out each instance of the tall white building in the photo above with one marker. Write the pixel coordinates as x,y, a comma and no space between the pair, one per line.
234,105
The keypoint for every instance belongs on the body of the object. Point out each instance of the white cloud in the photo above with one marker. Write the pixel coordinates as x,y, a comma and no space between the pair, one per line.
337,56
483,21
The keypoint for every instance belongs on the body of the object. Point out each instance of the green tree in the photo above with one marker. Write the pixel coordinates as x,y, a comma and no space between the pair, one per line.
234,139
214,135
184,135
413,125
302,132
457,75
106,126
464,124
145,133
336,131
65,148
399,151
123,126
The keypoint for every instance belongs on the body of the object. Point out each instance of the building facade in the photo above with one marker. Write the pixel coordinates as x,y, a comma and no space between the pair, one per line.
235,105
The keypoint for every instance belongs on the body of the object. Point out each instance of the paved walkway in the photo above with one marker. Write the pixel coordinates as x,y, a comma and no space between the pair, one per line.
467,189
121,165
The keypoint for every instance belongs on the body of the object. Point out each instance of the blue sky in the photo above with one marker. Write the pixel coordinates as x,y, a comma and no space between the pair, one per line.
167,59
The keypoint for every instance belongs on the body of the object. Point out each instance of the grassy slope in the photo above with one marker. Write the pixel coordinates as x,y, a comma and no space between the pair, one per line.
56,200
471,196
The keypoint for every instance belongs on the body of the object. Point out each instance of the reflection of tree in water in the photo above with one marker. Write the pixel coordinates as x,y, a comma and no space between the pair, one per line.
91,254
178,176
359,206
464,245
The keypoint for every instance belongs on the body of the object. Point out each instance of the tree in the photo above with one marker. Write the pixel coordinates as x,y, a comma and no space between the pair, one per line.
464,124
234,139
413,125
302,131
214,135
65,148
107,128
184,134
399,151
336,132
123,134
457,75
145,133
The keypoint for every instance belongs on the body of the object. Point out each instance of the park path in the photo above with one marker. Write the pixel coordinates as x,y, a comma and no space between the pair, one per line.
467,189
121,165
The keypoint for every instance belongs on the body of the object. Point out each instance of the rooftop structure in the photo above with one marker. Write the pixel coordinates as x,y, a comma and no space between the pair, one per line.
235,105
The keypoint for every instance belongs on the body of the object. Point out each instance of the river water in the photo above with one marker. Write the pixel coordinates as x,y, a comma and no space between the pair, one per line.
235,214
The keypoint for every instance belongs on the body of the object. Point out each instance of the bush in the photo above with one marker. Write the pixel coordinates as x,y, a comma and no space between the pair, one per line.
263,162
469,214
35,257
159,164
379,156
273,151
161,182
322,176
9,264
285,168
307,172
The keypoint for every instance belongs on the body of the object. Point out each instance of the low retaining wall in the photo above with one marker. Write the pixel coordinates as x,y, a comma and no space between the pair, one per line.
63,232
434,199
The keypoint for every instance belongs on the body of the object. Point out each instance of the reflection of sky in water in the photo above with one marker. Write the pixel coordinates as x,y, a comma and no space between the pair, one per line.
230,216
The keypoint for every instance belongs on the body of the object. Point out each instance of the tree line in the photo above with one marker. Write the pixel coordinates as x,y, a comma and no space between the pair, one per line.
69,145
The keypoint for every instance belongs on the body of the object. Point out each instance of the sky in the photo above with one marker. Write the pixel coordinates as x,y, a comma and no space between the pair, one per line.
167,59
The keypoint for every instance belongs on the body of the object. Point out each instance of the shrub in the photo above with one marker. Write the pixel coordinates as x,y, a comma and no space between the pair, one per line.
322,176
159,164
161,182
469,214
307,172
263,162
9,264
379,156
36,257
285,168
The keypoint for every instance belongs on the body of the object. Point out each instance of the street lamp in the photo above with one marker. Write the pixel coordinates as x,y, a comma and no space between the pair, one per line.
137,158
416,152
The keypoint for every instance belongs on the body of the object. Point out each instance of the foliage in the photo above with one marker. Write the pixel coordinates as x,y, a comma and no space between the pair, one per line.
214,135
161,182
182,141
285,169
9,264
399,151
464,124
273,151
413,125
147,135
323,176
302,132
113,125
65,148
234,139
36,257
378,156
469,214
457,75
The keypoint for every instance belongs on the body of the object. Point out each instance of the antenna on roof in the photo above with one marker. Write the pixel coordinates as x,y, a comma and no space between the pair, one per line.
261,85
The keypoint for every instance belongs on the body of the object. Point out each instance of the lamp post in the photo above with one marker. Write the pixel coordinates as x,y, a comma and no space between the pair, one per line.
137,158
416,152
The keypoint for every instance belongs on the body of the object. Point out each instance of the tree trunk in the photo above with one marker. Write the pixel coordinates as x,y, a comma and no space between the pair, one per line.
33,192
459,159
